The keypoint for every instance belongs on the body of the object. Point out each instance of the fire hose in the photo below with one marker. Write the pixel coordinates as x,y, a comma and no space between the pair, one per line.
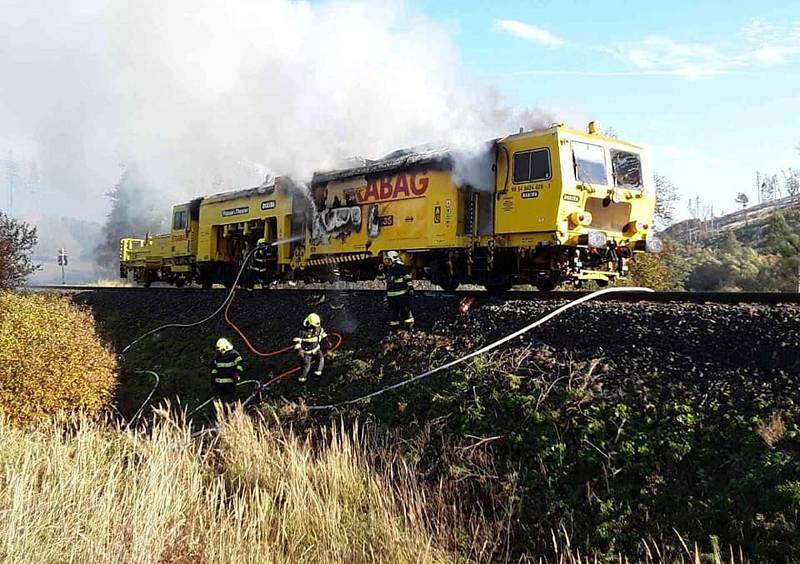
482,350
452,363
224,306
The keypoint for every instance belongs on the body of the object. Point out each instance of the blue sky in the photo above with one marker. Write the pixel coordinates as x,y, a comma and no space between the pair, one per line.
712,88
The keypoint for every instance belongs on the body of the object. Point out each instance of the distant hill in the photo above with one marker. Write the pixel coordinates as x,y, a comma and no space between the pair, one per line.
756,249
749,225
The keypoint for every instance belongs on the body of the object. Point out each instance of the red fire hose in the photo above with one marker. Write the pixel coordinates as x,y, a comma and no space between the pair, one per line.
255,351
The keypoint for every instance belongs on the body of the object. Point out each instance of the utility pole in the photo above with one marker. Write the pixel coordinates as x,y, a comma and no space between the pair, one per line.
62,262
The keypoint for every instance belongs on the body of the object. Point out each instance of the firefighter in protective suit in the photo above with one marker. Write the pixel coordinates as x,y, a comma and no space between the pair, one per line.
258,265
309,346
399,290
227,371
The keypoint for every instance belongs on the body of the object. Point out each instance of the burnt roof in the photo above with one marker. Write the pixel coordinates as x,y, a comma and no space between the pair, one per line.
403,158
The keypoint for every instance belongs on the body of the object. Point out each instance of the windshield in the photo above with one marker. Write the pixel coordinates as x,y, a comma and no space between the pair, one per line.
627,169
590,163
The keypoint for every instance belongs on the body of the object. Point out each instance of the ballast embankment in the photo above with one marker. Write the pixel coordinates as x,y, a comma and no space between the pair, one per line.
620,420
677,340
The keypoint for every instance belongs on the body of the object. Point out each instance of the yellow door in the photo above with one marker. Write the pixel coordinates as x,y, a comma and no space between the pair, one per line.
181,228
528,184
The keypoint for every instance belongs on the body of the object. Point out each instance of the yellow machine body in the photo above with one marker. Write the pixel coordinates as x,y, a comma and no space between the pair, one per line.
537,207
403,210
544,207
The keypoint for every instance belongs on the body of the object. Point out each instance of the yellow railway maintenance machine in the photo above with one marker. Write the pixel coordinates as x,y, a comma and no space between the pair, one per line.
231,224
169,257
540,207
211,236
569,206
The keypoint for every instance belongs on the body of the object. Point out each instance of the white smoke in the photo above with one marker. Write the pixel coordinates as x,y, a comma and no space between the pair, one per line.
207,95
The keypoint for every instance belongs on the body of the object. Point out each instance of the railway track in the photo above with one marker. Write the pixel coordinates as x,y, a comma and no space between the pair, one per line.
657,297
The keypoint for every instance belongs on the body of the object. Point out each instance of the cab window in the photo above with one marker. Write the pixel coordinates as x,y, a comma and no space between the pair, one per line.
627,168
179,220
532,165
590,163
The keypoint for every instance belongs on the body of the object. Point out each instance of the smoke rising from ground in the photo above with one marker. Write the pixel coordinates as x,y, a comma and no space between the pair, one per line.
206,95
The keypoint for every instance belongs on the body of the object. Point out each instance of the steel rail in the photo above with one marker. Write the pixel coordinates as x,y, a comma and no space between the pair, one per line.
655,297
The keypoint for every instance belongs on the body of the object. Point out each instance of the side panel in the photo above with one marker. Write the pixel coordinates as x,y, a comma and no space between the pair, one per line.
154,252
528,203
402,210
224,221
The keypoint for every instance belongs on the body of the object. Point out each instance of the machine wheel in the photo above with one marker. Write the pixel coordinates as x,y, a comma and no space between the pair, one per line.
180,282
449,284
602,283
545,284
146,279
498,289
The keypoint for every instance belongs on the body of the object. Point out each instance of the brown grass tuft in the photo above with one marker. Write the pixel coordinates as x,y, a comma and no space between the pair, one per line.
772,431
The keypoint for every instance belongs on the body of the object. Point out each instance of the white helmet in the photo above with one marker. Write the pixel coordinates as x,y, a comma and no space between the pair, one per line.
224,345
393,256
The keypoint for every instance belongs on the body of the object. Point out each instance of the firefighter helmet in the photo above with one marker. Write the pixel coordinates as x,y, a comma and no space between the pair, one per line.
224,345
312,320
393,256
261,242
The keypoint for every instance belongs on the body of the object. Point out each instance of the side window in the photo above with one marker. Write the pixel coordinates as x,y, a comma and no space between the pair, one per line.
179,220
532,165
627,169
590,163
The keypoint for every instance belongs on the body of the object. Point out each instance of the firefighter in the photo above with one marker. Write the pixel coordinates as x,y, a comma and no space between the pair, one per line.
309,346
227,371
258,265
399,290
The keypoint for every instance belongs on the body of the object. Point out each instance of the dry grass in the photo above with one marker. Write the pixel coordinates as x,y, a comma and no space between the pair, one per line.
772,431
90,492
81,490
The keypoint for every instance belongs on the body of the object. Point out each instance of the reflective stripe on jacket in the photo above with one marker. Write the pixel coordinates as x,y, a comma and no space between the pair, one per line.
398,280
259,260
310,340
227,367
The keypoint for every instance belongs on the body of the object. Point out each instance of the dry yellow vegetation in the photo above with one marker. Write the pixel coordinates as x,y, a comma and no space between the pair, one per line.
80,489
92,492
51,358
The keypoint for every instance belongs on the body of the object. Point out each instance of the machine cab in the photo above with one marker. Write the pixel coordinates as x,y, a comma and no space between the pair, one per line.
183,234
609,191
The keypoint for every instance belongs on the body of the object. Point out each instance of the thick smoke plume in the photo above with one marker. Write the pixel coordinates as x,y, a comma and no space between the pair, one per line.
206,95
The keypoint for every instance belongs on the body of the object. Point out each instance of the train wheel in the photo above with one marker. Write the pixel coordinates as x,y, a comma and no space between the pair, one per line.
449,285
498,289
180,282
545,285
